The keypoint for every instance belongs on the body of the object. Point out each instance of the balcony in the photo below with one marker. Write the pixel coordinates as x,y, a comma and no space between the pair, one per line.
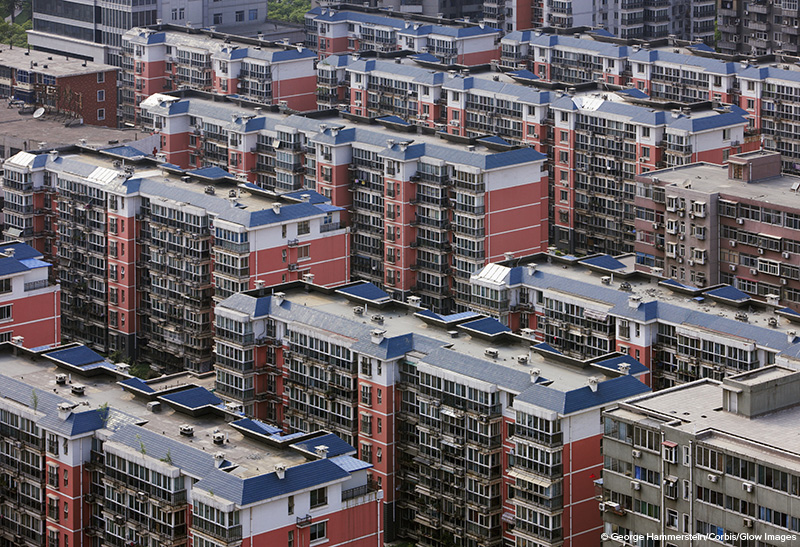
216,531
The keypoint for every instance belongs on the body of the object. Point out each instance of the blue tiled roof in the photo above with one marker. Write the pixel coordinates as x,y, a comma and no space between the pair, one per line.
257,426
608,391
633,92
314,196
128,152
192,398
763,73
606,262
729,293
336,446
25,258
494,139
287,212
714,66
523,75
137,384
706,123
350,464
790,311
426,58
447,319
211,173
614,363
394,120
77,357
268,486
488,325
546,347
366,291
392,347
677,284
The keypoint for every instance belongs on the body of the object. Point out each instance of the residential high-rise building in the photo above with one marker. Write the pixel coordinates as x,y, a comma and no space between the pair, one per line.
94,464
758,28
94,31
166,57
425,213
29,301
734,224
330,32
709,458
474,438
143,253
584,308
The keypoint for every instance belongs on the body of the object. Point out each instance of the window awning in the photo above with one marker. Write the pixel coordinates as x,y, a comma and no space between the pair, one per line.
669,444
530,478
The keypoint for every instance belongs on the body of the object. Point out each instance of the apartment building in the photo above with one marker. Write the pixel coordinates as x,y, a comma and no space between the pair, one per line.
599,148
707,458
143,251
646,20
424,212
758,28
93,464
333,81
61,84
474,438
29,301
564,59
329,32
167,57
734,224
95,32
769,95
583,308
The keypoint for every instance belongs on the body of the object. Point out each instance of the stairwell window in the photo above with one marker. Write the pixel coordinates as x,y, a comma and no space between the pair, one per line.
319,497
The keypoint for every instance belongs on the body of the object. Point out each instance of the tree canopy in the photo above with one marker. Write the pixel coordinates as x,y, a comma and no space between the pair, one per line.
292,11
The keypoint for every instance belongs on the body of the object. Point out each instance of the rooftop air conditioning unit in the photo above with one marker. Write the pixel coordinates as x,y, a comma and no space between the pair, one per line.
186,430
491,352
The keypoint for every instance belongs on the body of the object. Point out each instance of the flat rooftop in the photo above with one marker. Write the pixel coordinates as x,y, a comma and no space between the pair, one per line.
400,319
699,407
249,201
710,177
648,288
251,457
40,62
49,130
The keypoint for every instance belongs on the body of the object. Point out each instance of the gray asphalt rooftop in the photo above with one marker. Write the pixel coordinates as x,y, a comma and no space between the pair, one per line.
252,457
50,131
399,320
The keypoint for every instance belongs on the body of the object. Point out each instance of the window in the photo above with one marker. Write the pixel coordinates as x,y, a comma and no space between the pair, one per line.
304,252
101,95
366,395
564,136
52,476
5,313
290,539
5,285
318,531
252,15
101,77
66,510
239,16
291,505
672,519
303,227
101,114
66,477
217,18
319,497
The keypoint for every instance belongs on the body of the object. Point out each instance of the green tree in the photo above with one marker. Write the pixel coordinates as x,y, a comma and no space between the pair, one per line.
291,11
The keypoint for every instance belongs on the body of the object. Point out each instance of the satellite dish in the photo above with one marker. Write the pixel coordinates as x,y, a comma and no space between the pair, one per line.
39,113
